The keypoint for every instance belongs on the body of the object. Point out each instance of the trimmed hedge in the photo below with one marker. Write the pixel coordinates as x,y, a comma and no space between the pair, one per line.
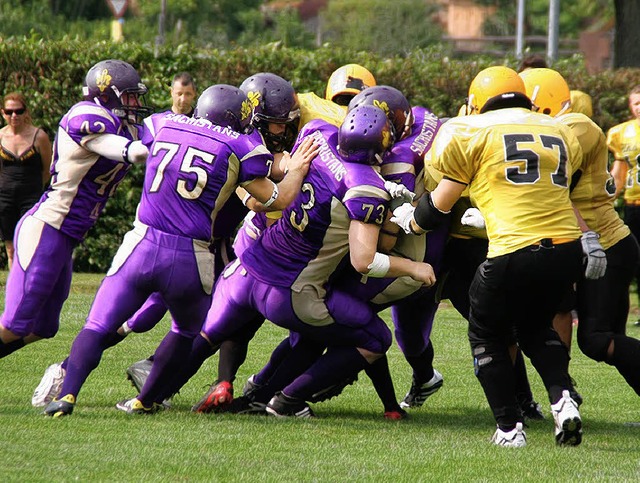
51,75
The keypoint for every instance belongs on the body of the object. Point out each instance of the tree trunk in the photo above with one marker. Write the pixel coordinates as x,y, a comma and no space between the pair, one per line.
627,34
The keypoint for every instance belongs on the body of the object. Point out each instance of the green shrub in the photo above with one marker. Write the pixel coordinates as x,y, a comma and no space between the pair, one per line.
51,73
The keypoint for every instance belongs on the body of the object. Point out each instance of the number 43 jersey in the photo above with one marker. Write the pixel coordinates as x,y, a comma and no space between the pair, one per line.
518,165
192,169
307,244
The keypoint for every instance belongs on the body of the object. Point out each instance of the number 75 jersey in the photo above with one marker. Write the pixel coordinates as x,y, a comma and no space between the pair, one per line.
306,245
193,167
518,165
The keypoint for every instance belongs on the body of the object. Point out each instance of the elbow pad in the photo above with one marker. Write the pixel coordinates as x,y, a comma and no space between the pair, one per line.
427,216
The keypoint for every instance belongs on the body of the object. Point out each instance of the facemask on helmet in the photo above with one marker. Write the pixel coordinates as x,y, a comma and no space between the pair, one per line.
365,135
346,82
116,85
496,87
548,91
226,106
274,102
392,102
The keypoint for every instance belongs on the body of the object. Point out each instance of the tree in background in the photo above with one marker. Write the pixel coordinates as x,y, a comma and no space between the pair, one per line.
627,34
283,27
575,16
381,26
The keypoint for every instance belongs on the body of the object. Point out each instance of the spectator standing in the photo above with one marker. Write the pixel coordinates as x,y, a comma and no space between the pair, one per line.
183,94
25,160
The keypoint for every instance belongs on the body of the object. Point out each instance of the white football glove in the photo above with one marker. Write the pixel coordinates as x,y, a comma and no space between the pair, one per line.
473,217
403,215
596,257
399,191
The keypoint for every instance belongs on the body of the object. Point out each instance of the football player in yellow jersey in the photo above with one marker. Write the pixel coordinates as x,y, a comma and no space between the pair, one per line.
624,143
518,166
603,304
344,83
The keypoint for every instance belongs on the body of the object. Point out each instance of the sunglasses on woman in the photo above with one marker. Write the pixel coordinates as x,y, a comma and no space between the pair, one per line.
18,112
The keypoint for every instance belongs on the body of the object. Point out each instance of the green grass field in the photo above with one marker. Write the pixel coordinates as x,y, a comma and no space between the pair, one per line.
446,440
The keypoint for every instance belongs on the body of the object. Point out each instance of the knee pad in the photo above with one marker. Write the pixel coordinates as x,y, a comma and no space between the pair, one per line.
594,345
486,356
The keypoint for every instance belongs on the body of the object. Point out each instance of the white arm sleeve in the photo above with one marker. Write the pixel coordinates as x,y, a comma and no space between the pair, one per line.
118,148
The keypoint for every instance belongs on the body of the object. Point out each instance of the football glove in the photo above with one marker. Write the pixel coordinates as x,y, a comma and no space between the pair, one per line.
402,217
473,217
399,191
595,255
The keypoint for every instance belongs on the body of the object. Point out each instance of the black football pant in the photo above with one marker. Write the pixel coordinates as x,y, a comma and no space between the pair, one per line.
519,293
603,307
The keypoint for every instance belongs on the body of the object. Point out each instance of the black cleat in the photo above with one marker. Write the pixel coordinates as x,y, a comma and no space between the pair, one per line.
60,407
419,392
283,406
532,410
244,405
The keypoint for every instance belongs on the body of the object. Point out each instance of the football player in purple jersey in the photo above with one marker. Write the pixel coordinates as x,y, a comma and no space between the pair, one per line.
284,274
194,165
277,110
274,121
413,306
94,147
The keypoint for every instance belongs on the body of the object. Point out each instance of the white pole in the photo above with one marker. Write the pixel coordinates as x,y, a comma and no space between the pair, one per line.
161,20
520,30
554,30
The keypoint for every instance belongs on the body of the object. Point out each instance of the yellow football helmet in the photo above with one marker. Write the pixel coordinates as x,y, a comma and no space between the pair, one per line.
346,82
547,90
491,83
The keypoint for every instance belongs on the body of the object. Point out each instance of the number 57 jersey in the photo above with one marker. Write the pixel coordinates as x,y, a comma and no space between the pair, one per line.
306,245
518,165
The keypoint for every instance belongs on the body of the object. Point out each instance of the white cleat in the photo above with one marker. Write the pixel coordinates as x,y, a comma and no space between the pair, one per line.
49,387
567,418
516,438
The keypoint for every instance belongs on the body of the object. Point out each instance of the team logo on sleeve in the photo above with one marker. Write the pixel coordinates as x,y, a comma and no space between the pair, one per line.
103,80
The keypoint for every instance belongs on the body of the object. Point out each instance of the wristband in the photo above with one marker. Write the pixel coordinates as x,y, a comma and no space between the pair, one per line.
273,198
125,152
380,266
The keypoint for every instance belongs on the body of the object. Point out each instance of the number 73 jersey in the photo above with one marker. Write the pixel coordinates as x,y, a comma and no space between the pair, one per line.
518,165
306,245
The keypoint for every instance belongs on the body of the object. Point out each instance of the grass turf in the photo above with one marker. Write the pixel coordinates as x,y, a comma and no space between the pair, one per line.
446,440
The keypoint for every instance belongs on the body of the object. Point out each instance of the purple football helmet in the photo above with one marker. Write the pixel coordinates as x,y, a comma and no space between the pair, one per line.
365,135
225,106
274,101
392,102
108,81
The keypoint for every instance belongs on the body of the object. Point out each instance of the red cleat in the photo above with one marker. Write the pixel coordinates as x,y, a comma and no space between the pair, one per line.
396,415
217,398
